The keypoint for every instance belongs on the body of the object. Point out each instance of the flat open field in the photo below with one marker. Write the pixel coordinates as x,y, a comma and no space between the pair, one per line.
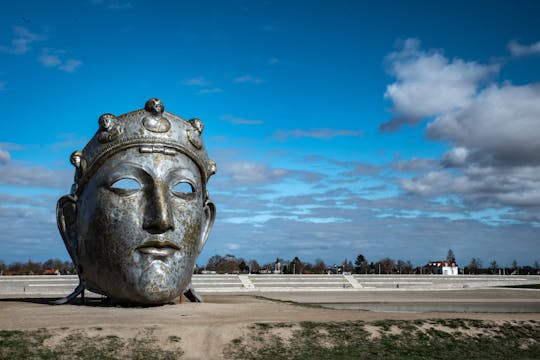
222,325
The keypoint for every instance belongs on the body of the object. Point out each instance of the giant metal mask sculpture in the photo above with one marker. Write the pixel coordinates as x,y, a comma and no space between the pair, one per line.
138,214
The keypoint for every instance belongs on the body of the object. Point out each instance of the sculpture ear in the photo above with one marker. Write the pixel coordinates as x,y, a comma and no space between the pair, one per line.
66,219
208,221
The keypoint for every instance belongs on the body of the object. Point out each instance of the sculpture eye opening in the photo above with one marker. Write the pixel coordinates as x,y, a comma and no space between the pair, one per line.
125,186
183,188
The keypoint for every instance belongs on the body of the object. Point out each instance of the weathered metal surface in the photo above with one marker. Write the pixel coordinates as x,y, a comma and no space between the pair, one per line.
139,214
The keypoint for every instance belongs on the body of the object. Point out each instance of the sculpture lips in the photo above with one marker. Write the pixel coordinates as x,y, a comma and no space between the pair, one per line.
160,248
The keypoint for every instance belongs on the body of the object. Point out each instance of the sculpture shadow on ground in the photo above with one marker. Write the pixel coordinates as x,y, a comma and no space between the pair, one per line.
91,302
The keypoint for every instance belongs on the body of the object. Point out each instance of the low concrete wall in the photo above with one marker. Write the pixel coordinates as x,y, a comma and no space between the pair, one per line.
64,284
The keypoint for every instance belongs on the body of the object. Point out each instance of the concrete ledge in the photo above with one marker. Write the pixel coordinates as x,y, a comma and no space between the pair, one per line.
64,284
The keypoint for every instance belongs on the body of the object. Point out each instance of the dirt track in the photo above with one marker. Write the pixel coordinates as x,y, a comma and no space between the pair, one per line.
204,328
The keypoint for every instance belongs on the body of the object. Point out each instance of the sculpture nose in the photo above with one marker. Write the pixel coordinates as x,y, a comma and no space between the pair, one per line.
158,215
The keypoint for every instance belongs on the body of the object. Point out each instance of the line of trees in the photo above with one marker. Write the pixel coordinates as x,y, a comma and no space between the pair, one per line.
475,266
232,264
48,267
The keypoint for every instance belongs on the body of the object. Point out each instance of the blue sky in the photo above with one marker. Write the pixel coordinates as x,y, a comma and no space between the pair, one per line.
397,129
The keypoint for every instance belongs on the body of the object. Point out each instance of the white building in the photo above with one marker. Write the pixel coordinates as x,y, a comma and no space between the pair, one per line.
444,267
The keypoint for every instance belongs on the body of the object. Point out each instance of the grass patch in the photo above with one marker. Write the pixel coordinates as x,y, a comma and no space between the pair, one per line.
418,339
77,345
24,344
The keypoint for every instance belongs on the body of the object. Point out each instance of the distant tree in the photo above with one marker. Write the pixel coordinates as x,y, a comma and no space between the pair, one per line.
15,268
47,264
410,267
450,257
254,266
493,266
347,265
308,267
224,264
319,267
214,262
515,267
387,265
296,266
58,264
536,266
32,268
242,266
230,264
474,265
3,267
404,267
68,267
361,265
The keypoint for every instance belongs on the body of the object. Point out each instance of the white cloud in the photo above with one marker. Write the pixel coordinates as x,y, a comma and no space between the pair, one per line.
316,224
48,57
516,49
20,44
248,79
246,172
4,157
414,165
455,157
70,65
240,121
35,231
356,168
49,60
11,146
114,4
494,160
23,175
500,125
324,133
214,90
196,81
428,84
483,187
496,150
53,58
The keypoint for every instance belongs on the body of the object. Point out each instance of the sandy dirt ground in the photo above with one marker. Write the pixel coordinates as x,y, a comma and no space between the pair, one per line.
205,328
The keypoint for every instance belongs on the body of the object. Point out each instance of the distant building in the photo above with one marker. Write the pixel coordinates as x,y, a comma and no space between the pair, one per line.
206,272
443,268
277,267
51,272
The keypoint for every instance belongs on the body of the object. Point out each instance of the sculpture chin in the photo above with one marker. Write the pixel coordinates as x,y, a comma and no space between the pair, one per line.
157,283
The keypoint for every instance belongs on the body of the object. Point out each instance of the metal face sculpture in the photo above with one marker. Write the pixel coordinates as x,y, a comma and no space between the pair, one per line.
139,214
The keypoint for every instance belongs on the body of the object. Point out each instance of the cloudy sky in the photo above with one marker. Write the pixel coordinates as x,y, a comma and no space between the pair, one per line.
399,129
